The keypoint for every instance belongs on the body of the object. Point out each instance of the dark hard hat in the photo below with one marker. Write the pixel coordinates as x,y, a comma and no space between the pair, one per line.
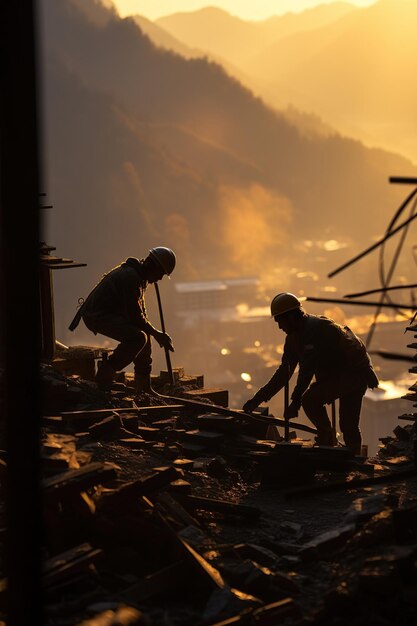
164,257
284,302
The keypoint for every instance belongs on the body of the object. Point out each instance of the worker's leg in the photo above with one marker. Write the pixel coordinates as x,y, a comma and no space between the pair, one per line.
143,368
132,339
350,404
313,401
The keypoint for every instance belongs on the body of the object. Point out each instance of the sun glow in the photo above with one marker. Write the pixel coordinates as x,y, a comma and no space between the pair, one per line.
245,9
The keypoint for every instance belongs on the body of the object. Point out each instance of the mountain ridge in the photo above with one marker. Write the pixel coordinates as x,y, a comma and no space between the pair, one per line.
143,147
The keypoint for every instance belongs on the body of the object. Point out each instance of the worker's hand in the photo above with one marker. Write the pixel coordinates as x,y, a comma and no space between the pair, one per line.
250,405
165,341
292,410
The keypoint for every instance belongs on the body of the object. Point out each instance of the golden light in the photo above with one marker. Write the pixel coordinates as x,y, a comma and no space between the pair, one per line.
246,377
225,351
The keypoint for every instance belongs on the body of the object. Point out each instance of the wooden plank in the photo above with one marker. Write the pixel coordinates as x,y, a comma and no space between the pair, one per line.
64,266
68,563
176,510
123,616
356,483
411,417
166,579
221,506
219,396
129,492
78,480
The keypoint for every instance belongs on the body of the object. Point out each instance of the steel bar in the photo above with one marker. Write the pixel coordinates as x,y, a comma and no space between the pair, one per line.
247,417
381,289
334,431
403,180
392,305
286,405
393,356
386,280
373,247
167,355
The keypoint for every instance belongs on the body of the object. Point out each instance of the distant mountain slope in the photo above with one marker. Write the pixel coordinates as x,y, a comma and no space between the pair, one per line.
237,40
164,39
356,73
145,147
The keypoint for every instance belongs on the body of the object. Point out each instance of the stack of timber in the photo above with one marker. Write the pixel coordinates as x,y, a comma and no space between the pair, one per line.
412,395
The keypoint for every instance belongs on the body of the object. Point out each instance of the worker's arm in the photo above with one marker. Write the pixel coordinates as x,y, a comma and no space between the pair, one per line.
163,339
319,346
277,381
135,309
305,375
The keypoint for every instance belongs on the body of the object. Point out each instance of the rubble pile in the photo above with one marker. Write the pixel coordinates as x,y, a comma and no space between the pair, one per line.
180,512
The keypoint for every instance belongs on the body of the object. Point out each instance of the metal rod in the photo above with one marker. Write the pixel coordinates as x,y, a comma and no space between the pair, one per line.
240,415
381,289
373,247
385,280
393,356
286,405
334,434
167,355
403,180
390,305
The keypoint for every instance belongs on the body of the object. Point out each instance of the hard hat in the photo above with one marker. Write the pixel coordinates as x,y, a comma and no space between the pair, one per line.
164,257
284,302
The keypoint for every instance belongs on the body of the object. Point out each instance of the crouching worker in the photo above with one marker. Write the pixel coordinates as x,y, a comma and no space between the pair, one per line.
116,308
335,356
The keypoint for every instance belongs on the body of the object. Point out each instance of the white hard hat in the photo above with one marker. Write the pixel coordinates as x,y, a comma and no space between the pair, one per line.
164,257
284,302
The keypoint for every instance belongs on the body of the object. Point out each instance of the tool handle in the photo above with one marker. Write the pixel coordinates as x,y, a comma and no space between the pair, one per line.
167,355
286,405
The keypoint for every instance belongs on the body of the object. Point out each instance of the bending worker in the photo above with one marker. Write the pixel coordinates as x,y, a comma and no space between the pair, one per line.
335,356
116,308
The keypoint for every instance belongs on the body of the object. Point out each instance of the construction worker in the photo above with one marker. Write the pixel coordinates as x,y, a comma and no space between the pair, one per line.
116,308
335,356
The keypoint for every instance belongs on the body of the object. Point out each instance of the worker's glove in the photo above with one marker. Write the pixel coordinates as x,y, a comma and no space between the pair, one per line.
250,405
292,410
165,341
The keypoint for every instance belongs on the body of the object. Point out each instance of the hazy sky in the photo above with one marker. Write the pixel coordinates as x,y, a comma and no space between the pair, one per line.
246,9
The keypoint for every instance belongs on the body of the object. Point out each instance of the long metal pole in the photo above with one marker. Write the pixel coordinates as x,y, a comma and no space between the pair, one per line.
286,405
391,305
375,245
334,432
167,355
379,290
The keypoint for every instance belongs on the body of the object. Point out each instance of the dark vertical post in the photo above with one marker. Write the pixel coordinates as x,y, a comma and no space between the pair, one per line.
47,312
286,405
167,356
334,433
20,341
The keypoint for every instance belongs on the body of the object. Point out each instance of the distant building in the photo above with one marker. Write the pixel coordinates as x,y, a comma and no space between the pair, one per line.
214,299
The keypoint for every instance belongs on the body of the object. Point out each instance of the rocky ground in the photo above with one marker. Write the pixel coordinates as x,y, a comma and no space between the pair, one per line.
165,514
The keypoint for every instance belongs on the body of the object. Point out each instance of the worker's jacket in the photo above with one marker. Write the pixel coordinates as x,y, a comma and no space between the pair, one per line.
121,293
322,349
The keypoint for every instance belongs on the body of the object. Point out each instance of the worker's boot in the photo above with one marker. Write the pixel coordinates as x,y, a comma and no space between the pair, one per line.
143,385
324,438
104,376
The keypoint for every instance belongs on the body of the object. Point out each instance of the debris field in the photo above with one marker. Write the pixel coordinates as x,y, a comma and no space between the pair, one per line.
174,510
